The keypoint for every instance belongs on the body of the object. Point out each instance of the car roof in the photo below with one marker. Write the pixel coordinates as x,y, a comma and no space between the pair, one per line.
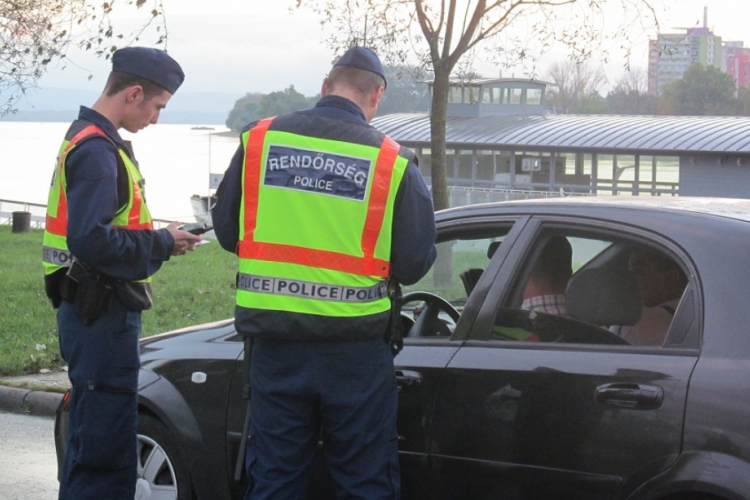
738,209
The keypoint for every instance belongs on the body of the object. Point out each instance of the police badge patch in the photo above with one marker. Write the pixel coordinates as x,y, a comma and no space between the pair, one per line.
317,172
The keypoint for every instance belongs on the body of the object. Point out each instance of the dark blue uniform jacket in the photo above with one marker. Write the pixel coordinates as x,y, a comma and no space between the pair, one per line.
413,239
91,171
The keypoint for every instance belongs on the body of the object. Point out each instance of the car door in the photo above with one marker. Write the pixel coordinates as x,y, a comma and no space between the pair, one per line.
420,366
585,417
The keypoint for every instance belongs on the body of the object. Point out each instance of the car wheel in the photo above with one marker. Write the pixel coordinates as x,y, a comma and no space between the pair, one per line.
161,471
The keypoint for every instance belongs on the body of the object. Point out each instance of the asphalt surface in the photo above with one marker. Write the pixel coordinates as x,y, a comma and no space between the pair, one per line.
28,463
37,394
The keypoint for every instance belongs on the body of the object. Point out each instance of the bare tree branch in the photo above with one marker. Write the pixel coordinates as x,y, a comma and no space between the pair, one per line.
33,33
428,29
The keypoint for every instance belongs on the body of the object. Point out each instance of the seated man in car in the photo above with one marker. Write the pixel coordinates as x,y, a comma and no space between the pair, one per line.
662,283
545,289
544,292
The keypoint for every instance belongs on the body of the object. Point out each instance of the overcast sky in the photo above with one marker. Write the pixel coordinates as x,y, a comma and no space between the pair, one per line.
234,46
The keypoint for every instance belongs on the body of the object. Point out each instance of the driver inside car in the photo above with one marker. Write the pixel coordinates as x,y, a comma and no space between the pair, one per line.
545,288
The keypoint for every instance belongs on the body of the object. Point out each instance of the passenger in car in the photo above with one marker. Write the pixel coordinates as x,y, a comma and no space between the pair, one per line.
545,289
662,283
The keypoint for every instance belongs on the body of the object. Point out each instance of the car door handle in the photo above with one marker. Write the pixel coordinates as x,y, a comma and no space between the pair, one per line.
407,378
635,396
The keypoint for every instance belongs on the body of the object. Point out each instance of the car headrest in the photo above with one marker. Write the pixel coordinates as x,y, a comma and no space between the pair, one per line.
604,297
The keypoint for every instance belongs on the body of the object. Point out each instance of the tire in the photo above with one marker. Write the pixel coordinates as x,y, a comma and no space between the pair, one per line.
160,467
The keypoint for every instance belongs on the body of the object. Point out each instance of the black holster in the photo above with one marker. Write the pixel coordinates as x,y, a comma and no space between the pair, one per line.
53,284
395,336
93,291
59,286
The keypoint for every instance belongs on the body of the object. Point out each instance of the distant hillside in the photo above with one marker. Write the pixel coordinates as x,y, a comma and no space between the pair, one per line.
61,105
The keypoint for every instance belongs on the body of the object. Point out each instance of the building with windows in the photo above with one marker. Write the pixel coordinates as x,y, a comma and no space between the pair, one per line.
737,58
501,144
671,54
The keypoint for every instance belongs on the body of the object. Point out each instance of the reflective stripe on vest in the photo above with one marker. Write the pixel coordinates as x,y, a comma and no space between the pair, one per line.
308,289
134,215
57,213
336,264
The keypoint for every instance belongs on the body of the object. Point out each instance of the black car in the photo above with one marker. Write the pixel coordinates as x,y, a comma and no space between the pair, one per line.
499,401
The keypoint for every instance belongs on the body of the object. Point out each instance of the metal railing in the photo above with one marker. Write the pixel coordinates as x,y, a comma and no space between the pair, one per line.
469,195
39,213
460,195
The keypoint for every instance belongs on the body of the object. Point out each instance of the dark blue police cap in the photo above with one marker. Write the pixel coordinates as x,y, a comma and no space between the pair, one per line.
153,65
362,58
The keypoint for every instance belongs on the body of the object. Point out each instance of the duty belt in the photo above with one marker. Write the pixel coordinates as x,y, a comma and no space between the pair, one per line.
56,256
311,290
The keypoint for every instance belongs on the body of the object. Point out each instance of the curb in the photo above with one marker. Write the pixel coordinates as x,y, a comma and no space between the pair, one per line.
39,403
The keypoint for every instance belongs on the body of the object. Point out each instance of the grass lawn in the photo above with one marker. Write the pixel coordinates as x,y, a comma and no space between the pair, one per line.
189,290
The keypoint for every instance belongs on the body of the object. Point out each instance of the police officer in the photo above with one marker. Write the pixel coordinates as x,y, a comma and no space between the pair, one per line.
323,210
100,250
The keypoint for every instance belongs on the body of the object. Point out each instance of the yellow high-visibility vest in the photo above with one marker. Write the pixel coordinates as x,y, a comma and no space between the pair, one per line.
315,223
133,215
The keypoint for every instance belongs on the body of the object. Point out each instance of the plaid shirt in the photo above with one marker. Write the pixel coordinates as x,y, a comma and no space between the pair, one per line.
550,304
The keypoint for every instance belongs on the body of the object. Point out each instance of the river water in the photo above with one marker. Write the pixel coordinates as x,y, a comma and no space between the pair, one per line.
175,160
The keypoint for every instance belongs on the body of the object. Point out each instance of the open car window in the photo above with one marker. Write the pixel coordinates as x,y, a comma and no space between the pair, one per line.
587,288
462,256
459,265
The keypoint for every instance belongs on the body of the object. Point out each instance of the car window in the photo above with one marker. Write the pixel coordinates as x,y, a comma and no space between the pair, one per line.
589,288
458,267
463,253
585,249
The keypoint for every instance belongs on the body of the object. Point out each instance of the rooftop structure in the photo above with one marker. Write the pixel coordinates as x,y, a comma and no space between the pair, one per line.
495,96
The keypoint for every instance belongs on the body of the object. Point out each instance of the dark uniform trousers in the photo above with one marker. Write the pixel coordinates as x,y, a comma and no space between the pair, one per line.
347,389
103,363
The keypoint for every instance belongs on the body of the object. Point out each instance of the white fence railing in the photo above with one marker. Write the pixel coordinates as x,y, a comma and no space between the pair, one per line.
39,213
459,196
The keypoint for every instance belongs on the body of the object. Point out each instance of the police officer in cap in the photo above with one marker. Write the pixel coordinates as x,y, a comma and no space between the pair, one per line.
100,251
324,212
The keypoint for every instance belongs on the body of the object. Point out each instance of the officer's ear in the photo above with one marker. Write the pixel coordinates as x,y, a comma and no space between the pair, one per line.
133,94
324,87
376,96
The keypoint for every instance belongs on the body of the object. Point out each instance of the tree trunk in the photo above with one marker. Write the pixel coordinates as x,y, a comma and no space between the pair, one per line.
438,114
442,274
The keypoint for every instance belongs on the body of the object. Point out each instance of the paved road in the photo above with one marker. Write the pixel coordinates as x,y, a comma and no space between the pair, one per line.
28,465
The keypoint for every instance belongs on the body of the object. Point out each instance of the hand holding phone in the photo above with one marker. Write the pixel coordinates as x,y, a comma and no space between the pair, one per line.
196,228
184,240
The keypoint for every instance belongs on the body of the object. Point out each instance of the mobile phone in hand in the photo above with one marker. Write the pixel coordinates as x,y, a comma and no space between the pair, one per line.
196,228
